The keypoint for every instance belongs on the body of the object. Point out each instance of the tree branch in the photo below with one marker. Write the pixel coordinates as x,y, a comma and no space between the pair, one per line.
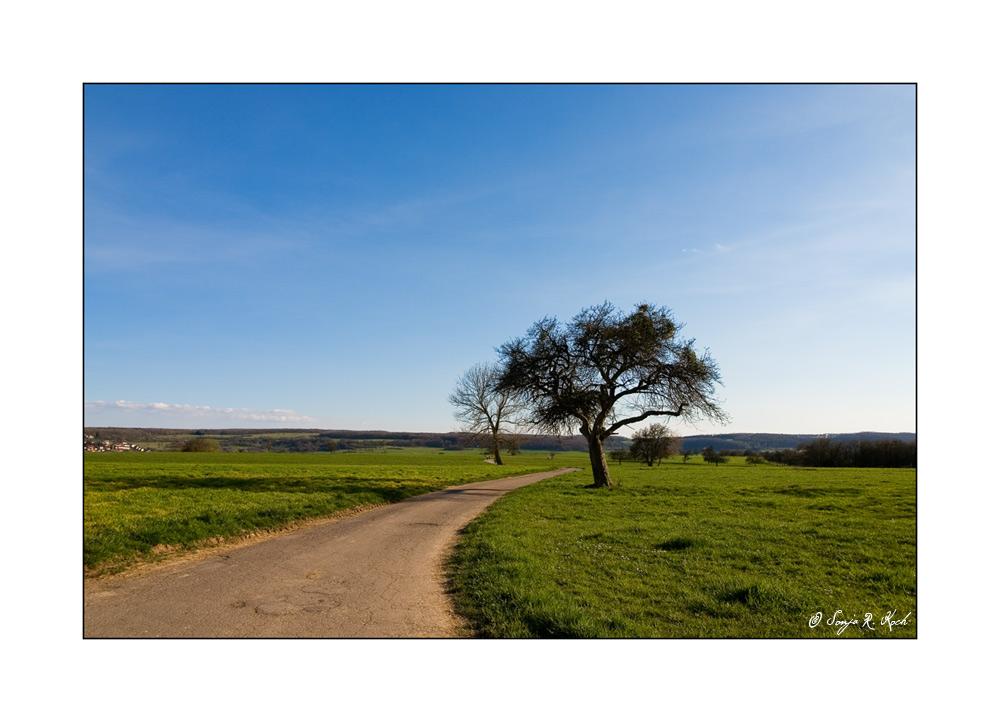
641,417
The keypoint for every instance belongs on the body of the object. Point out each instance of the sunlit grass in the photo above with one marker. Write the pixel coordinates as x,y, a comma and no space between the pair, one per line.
142,507
691,550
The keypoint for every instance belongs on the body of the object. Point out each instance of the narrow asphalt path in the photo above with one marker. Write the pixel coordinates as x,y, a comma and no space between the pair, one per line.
377,574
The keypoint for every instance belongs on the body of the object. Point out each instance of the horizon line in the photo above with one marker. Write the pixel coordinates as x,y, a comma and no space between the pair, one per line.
458,431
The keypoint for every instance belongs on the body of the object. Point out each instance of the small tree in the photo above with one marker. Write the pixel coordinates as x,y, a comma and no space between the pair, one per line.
686,454
486,413
652,444
711,456
511,443
618,455
200,444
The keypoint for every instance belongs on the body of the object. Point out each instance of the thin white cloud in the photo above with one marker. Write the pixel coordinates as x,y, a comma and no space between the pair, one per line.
195,412
118,241
133,243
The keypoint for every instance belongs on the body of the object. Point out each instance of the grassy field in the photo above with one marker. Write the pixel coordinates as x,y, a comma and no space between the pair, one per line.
694,550
142,507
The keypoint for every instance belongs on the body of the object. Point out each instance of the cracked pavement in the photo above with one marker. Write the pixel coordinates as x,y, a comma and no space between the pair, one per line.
379,574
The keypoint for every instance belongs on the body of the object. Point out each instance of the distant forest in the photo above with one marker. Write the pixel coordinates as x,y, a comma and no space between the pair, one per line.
315,440
342,440
876,453
776,442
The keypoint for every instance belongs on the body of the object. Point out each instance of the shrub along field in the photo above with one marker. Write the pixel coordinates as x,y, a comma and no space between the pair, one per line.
695,550
142,507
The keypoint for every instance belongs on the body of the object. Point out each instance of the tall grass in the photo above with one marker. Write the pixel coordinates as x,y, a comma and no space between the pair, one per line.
692,550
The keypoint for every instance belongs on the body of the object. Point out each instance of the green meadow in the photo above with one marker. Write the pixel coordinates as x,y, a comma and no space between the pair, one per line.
145,507
695,550
675,550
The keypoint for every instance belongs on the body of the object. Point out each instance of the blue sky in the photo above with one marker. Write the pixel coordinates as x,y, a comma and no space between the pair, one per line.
335,256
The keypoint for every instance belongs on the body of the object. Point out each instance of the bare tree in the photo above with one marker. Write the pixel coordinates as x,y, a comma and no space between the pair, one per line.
605,370
487,415
653,443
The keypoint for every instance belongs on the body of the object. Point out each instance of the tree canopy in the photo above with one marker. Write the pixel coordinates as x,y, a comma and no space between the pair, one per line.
607,369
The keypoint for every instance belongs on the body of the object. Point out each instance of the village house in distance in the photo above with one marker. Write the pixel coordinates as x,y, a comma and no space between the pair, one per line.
91,444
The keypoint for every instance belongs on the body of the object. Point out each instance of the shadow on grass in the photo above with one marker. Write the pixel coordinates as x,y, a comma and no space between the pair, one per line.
811,492
391,490
677,544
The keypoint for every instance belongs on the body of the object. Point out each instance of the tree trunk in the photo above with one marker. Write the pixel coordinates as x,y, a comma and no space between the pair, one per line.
599,463
496,452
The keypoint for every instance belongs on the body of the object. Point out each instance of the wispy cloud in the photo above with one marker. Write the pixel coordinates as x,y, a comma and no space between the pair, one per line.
715,250
195,412
117,240
129,243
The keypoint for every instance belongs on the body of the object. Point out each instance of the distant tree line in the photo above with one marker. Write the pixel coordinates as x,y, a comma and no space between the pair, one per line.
118,434
884,453
879,450
756,442
318,440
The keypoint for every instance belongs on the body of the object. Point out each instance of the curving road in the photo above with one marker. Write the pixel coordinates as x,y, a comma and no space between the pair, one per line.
377,574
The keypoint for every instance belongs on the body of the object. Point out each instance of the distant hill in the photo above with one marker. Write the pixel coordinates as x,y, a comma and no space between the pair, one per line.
773,442
305,440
